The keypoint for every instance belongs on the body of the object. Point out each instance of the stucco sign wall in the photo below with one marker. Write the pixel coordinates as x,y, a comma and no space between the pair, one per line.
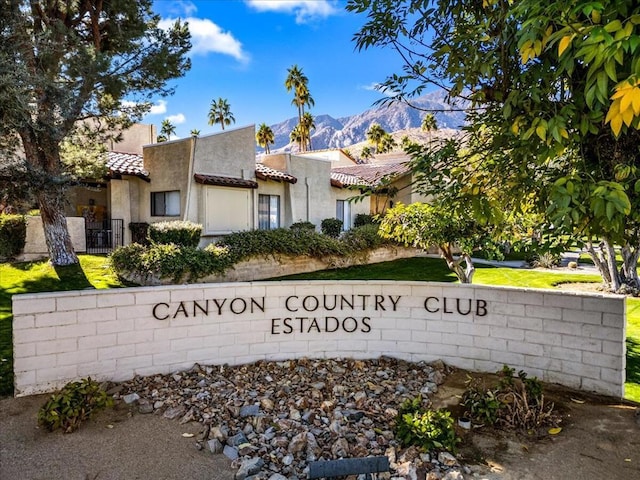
575,340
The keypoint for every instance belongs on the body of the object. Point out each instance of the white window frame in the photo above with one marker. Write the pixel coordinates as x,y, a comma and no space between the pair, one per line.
273,220
343,212
170,202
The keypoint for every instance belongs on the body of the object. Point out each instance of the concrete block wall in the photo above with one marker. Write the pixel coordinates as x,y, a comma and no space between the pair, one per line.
572,339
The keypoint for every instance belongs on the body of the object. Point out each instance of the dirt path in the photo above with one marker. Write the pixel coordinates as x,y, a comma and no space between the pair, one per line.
600,440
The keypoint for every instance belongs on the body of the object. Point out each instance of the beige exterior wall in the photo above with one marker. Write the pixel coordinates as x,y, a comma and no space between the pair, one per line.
35,247
168,167
335,156
120,204
134,138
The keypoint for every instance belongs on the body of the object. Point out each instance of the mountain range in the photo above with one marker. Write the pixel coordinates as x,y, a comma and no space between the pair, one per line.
346,131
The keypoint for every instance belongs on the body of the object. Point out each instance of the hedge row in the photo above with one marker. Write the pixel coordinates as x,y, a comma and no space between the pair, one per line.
188,263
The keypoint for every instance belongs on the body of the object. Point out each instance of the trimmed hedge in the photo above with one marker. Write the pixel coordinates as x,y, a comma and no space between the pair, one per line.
183,264
178,232
302,225
173,261
331,227
13,233
363,219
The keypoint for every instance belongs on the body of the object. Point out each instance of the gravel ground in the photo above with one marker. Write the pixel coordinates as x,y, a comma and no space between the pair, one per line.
600,439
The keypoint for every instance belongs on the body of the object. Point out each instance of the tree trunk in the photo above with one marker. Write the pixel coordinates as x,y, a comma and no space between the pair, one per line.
630,256
465,275
56,232
605,260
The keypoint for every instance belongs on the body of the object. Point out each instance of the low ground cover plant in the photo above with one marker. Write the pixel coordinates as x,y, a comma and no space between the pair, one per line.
516,402
425,428
72,405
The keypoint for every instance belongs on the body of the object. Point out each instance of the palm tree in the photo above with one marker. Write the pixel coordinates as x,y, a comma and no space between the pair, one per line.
264,136
375,134
195,132
366,153
306,126
428,125
166,130
220,112
296,136
298,82
387,143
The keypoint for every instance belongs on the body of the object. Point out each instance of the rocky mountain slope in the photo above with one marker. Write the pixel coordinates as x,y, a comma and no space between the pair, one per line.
346,131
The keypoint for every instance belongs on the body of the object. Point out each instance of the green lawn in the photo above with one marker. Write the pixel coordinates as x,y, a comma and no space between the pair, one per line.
95,273
34,277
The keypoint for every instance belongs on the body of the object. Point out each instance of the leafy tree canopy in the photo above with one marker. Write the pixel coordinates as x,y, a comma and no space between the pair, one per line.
555,106
63,64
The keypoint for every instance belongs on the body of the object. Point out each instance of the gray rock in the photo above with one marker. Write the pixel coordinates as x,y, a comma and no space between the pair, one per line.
453,475
237,439
131,398
298,443
277,476
230,452
173,412
250,411
249,466
215,446
340,448
145,407
447,459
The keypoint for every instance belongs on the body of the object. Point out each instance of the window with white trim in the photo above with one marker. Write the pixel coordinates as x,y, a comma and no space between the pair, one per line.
268,212
165,204
343,212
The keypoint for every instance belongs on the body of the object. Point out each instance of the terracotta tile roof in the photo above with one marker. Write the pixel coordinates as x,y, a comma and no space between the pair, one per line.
369,174
342,180
120,163
221,181
267,173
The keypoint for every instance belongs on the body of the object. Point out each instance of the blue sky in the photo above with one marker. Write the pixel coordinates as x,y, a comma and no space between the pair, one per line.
242,49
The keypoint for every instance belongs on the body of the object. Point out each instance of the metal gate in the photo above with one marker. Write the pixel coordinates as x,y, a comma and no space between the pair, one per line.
103,237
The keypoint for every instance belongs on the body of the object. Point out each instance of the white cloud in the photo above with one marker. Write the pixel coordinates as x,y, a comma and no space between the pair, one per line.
159,108
181,8
304,10
207,37
176,119
377,87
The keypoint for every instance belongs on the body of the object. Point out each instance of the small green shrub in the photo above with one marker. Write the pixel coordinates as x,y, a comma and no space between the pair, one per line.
170,261
546,260
331,227
13,232
178,232
76,402
364,238
302,226
515,402
426,429
363,219
139,232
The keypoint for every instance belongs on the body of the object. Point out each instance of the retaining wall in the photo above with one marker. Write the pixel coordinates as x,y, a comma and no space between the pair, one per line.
573,339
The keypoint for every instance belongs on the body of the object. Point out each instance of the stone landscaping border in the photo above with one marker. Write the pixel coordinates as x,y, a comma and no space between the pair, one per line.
577,340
